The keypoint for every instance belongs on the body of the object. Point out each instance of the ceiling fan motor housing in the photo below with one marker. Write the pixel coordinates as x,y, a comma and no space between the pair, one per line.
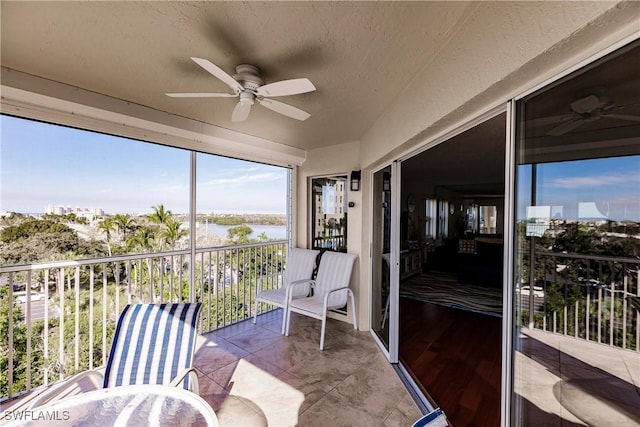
249,76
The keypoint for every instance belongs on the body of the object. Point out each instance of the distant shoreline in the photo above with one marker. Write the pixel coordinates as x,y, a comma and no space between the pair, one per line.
220,219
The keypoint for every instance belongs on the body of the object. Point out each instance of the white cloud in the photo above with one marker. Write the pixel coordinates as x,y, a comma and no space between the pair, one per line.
591,181
244,179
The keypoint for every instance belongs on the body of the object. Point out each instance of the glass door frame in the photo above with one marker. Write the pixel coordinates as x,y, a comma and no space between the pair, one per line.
390,353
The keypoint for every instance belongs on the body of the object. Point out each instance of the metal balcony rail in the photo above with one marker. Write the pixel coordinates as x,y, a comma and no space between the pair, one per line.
60,316
595,298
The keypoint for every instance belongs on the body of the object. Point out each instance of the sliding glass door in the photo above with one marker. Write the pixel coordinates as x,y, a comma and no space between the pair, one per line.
384,250
577,248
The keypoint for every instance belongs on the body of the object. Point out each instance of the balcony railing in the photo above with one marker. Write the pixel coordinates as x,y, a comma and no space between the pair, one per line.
595,298
64,319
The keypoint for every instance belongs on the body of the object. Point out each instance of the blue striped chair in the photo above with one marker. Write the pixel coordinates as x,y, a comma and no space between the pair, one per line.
435,418
152,344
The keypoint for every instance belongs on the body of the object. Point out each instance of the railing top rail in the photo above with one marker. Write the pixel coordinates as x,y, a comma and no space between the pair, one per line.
129,257
245,245
590,257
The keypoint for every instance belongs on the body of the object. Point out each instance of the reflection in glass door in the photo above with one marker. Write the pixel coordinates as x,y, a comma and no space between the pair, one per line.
381,252
577,248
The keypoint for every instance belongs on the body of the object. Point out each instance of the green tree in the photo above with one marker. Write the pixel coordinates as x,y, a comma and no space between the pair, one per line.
142,240
239,234
36,240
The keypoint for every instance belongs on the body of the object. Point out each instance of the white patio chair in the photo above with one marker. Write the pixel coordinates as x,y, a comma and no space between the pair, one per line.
152,344
330,290
299,267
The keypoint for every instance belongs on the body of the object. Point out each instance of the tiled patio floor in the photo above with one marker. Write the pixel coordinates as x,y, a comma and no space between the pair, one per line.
253,376
565,381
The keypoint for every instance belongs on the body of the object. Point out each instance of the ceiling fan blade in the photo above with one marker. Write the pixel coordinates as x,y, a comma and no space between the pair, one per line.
286,87
565,127
201,95
219,73
241,112
624,117
551,120
284,109
587,104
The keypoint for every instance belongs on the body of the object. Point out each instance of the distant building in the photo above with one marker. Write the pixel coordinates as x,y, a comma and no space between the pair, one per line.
83,212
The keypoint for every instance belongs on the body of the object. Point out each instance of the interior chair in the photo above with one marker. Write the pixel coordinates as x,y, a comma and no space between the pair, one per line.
152,344
330,291
299,267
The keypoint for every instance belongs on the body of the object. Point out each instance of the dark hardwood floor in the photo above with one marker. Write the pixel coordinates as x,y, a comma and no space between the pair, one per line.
455,355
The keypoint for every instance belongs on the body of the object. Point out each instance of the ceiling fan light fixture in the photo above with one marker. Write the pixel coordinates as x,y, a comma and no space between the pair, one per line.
247,98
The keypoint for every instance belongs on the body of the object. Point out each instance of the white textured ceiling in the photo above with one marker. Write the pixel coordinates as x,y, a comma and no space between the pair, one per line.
359,55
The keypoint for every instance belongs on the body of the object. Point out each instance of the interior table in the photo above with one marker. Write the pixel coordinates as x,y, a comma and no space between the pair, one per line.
136,405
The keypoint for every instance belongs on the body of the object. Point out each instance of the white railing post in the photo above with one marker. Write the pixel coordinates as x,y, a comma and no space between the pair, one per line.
77,318
10,350
91,284
61,313
46,327
27,316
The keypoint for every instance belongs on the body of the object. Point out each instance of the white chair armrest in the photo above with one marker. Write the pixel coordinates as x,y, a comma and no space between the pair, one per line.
191,372
65,384
326,296
297,283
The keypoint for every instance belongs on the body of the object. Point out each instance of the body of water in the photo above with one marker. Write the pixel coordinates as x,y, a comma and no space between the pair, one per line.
272,231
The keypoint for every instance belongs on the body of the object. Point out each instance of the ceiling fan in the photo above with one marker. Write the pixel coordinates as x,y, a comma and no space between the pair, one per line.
584,110
248,84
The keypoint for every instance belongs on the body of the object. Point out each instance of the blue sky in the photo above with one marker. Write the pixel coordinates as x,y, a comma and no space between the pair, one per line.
42,164
612,185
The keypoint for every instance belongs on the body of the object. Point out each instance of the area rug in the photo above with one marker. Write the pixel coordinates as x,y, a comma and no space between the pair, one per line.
443,288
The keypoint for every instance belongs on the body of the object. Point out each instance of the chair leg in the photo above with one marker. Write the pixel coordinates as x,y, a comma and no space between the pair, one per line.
284,320
255,312
324,323
288,321
353,308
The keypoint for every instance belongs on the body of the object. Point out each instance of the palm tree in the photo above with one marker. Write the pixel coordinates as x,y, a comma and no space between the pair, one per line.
164,218
142,240
125,224
106,226
172,232
160,215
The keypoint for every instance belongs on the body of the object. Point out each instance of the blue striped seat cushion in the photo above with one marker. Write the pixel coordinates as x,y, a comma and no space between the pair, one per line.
152,343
